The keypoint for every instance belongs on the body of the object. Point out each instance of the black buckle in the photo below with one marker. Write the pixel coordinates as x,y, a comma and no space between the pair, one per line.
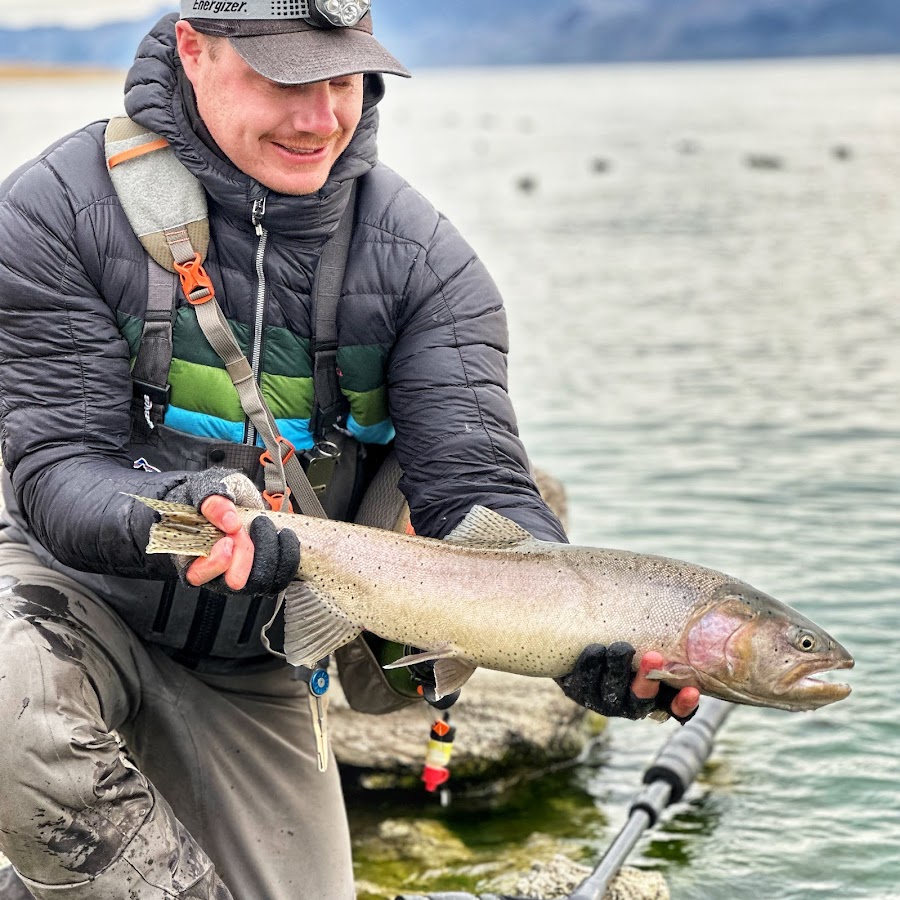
158,396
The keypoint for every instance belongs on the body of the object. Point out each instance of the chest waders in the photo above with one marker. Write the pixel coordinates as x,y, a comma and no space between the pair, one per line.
166,207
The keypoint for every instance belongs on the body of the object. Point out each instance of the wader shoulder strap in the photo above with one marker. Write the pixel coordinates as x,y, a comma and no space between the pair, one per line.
150,373
326,295
158,194
155,193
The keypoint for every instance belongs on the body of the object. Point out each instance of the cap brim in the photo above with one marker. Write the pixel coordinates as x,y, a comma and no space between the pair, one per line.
302,57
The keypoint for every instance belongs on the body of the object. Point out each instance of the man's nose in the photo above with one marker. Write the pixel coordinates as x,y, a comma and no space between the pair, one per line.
313,110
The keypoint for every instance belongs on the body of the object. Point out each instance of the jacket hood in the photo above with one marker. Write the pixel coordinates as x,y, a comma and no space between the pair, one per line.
159,96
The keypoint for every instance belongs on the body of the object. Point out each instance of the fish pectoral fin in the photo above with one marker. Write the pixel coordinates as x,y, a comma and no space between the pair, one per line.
660,715
450,675
443,652
487,529
675,674
314,625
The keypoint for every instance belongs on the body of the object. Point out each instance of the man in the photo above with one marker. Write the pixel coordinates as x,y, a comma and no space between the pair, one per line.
272,107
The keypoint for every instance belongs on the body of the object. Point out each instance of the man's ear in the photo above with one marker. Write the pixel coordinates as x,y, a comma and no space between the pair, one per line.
191,46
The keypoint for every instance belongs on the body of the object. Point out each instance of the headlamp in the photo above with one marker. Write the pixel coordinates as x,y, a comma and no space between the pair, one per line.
343,13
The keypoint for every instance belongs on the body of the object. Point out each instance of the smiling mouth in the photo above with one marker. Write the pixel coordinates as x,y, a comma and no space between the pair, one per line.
301,152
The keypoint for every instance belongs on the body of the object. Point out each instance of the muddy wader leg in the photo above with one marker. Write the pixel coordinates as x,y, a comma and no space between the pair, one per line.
76,819
236,756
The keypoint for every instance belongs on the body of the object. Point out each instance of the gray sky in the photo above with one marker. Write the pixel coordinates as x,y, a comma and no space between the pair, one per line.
76,12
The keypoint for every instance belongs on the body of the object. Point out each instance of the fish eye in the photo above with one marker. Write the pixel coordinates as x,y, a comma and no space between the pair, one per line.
806,642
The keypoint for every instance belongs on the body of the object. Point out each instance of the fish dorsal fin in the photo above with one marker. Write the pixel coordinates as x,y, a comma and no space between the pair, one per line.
314,625
487,529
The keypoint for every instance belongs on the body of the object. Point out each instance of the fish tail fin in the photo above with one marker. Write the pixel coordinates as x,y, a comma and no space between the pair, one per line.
181,530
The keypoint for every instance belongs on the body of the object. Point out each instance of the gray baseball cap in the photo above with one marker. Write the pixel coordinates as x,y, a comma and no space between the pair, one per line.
296,41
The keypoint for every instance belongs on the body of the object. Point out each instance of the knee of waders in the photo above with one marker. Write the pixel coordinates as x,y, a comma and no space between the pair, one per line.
69,804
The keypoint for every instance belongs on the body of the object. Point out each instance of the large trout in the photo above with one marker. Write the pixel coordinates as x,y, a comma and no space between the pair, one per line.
491,595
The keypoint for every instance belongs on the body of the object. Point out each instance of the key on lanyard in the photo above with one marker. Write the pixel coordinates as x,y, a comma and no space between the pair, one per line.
318,705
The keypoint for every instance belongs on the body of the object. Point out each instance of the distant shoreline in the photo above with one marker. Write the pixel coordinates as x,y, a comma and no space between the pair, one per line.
12,71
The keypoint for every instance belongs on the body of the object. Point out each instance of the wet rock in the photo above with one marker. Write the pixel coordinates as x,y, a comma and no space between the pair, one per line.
688,147
506,725
763,161
842,152
554,493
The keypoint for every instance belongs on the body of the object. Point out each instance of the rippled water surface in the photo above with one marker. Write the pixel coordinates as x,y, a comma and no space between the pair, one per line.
700,267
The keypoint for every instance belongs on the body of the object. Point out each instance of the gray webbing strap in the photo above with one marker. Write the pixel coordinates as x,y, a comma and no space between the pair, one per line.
326,296
282,468
285,468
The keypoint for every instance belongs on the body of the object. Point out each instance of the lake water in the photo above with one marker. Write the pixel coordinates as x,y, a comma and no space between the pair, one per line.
700,268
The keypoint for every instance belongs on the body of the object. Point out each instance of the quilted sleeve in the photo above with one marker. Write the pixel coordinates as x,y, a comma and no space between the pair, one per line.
65,383
457,438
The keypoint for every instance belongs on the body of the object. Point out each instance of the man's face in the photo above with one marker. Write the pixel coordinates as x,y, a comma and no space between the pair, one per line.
287,137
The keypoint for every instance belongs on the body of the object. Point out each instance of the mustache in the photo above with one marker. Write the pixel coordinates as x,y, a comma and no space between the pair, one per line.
301,140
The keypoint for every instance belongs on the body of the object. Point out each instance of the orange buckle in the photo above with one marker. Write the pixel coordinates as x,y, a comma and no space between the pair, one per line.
266,457
196,284
278,502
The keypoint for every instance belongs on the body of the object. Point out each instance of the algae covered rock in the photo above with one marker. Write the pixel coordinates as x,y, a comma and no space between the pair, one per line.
559,876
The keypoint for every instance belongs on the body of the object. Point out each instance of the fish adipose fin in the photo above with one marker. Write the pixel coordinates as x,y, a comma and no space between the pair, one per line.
314,625
483,527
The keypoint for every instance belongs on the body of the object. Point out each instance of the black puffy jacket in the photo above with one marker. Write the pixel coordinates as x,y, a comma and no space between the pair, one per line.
421,328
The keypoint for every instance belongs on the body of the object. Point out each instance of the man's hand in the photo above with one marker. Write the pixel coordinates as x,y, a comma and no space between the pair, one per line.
680,704
231,556
602,681
261,560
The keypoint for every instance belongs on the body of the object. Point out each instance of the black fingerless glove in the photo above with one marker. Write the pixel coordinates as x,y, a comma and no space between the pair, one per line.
601,681
276,554
200,486
276,558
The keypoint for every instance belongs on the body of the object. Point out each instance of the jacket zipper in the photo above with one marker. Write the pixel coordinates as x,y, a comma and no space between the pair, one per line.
259,210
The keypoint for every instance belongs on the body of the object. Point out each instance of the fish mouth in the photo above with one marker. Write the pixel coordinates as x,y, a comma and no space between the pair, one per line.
802,689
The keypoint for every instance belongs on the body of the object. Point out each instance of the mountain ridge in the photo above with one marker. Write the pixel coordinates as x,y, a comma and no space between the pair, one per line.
523,32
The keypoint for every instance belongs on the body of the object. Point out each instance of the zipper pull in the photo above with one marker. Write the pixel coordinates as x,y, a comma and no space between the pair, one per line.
259,210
